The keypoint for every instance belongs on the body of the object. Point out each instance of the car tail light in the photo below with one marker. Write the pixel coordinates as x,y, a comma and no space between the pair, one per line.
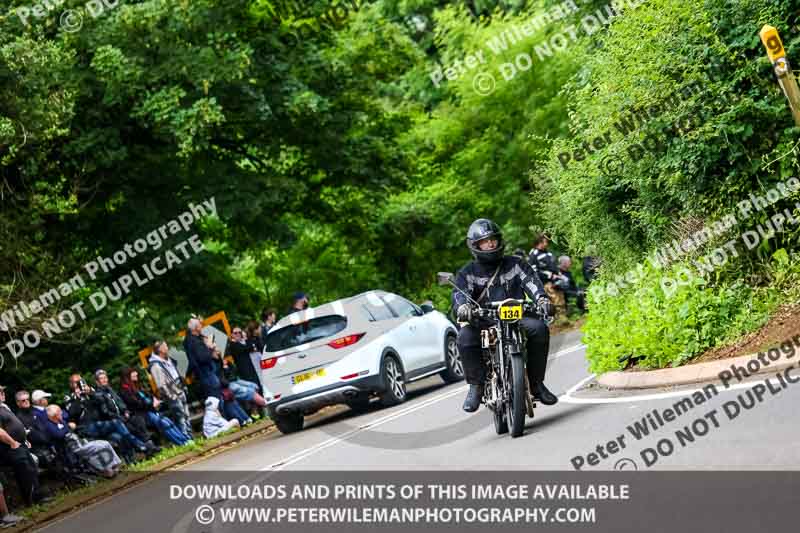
347,340
351,376
266,364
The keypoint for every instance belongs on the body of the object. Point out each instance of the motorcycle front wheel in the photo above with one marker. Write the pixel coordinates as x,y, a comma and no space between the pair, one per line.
500,424
515,409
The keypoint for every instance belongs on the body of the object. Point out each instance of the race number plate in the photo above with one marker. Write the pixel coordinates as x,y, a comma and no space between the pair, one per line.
511,312
299,378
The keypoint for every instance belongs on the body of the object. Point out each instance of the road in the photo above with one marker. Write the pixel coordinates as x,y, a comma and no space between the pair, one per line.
431,432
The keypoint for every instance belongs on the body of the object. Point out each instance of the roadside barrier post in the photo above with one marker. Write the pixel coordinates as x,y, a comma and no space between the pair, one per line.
777,54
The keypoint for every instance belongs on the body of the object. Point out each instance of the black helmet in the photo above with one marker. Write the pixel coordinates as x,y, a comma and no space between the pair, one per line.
483,228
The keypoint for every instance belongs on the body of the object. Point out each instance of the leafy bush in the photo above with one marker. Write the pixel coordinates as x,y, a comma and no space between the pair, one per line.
661,328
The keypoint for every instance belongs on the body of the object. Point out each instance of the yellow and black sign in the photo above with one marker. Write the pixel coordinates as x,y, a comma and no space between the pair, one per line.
772,42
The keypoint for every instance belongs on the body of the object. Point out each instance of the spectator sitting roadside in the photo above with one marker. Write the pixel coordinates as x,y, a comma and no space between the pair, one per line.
213,423
40,399
7,519
567,284
34,425
112,406
15,451
228,404
299,303
170,386
83,409
240,350
98,455
27,416
146,407
243,391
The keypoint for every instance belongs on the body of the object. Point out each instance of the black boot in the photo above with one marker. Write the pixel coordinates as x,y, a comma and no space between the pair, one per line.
474,397
541,393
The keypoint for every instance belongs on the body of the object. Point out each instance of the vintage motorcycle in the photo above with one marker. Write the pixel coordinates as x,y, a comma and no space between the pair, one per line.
507,390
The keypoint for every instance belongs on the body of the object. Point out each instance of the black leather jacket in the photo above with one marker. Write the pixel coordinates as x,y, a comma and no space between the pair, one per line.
110,405
544,263
515,279
82,409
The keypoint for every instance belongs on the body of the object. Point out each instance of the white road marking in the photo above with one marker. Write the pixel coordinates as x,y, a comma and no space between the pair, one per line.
577,386
567,396
299,456
565,351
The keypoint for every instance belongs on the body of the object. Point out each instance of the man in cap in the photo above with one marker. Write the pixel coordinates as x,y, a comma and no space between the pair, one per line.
299,303
34,417
40,400
27,415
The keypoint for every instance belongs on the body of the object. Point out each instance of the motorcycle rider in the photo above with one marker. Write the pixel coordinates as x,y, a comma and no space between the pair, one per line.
492,276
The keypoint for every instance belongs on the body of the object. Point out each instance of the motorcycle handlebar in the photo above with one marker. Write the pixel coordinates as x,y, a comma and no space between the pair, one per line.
490,310
509,301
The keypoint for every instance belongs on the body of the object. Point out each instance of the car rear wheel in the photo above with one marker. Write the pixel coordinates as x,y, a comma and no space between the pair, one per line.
288,423
394,382
455,368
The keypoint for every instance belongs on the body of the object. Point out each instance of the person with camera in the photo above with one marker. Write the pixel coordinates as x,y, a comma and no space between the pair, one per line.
240,349
204,357
200,350
85,416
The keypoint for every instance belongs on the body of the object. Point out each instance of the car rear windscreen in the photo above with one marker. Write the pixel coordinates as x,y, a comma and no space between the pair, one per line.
297,334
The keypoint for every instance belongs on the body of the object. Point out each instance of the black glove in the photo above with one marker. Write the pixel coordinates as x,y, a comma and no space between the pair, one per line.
464,313
545,307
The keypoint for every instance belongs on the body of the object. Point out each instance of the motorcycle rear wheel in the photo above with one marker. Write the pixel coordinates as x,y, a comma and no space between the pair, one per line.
516,407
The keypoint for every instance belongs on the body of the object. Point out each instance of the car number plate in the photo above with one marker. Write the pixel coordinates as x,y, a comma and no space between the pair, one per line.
299,378
511,312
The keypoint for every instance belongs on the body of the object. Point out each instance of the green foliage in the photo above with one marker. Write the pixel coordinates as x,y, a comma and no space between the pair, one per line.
635,209
661,328
338,166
